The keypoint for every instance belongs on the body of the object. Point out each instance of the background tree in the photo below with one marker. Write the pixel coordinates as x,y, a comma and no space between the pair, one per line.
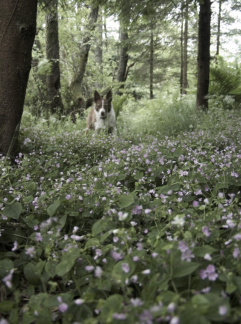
84,52
54,99
203,54
17,32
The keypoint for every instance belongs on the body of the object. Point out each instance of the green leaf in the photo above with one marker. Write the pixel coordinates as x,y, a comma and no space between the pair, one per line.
126,200
99,226
6,306
13,211
200,251
112,305
32,273
184,268
51,210
6,266
67,262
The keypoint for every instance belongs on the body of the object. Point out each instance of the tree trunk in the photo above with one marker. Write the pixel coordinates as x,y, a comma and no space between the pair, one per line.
84,53
219,27
151,64
55,104
203,55
17,32
184,44
123,58
99,54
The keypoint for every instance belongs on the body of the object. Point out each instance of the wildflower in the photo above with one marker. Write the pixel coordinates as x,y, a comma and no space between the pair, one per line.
68,197
89,268
209,272
205,231
137,210
171,307
145,317
179,220
125,267
146,272
79,301
98,272
15,246
77,237
195,203
122,216
136,302
223,310
174,320
38,237
236,252
8,279
119,316
30,251
207,256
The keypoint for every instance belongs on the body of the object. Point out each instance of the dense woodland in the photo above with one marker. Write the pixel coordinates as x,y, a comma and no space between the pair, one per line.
141,227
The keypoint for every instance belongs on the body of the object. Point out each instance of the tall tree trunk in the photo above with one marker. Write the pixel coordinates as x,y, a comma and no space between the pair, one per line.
184,44
203,55
17,32
99,54
84,53
55,103
151,63
123,58
219,27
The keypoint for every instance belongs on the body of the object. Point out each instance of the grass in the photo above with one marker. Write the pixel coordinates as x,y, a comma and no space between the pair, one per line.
142,228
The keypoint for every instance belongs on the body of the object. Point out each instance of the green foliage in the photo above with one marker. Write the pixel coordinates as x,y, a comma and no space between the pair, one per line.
135,228
225,79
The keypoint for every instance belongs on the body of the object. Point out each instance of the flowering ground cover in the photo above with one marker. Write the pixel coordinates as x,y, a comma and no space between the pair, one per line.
142,229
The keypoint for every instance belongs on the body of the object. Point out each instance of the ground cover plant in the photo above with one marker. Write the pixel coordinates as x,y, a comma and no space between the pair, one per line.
136,229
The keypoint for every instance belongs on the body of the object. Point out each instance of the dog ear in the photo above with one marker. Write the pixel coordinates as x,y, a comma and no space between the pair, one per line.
97,96
109,96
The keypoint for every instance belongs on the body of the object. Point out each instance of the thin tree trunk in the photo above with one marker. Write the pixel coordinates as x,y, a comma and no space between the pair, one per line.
17,33
185,56
123,58
99,54
219,27
84,53
184,44
203,55
55,104
151,63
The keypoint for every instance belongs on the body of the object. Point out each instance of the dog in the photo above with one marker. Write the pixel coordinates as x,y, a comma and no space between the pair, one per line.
102,115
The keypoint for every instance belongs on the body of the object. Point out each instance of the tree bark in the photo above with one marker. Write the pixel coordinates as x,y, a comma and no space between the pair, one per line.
203,55
17,33
219,27
151,63
84,53
123,58
184,44
99,54
54,103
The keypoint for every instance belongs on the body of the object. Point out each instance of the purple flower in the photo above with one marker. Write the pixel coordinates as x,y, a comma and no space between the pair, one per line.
195,203
223,310
236,252
119,316
209,272
116,255
145,317
125,267
205,231
38,237
63,307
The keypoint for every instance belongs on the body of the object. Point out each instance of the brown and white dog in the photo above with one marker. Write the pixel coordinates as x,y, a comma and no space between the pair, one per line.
102,115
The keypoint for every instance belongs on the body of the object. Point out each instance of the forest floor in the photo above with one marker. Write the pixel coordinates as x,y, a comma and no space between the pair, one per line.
126,229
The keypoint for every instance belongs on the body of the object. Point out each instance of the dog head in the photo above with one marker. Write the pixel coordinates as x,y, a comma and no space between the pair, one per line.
102,105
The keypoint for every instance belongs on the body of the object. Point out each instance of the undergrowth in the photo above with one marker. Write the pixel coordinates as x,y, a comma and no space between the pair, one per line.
139,228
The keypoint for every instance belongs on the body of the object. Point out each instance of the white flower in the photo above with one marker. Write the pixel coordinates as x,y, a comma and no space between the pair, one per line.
179,220
122,216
